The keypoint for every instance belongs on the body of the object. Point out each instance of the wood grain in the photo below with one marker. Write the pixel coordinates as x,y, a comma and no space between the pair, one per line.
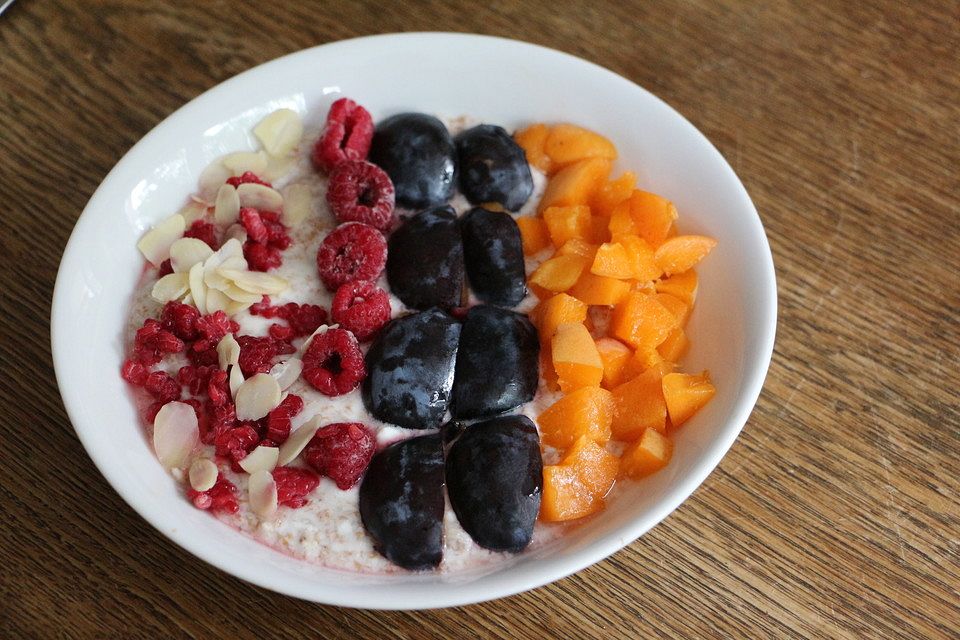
836,512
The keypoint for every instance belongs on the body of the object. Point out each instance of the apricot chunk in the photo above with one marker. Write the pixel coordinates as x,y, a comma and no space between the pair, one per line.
644,360
621,222
599,228
675,346
650,453
557,310
679,308
686,394
682,285
599,290
533,235
613,261
565,496
642,321
613,192
585,412
682,253
565,223
639,404
653,216
596,466
568,143
559,273
614,355
575,357
643,257
532,141
578,247
574,184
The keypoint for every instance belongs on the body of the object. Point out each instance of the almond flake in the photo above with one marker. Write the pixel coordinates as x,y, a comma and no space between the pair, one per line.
193,211
233,307
170,287
228,351
198,290
237,232
280,132
242,161
155,244
255,281
287,372
278,167
320,331
260,459
216,300
203,474
240,295
297,204
230,249
211,179
262,490
298,441
236,379
186,252
257,396
175,434
259,196
227,207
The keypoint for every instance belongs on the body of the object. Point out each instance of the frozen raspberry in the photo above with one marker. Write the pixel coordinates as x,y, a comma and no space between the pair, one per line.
293,485
152,410
361,307
222,419
237,442
211,329
352,251
304,319
218,389
203,417
346,135
179,319
166,268
247,177
333,364
278,420
281,332
134,372
220,497
152,342
360,191
277,233
341,452
257,354
264,308
162,387
253,223
205,232
261,257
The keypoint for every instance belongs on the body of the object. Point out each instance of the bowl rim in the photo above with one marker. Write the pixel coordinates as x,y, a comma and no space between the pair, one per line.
464,593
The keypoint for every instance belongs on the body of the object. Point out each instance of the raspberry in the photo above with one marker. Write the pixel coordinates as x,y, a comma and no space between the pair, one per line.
304,319
220,497
166,268
333,364
361,307
257,354
261,257
237,442
247,177
293,485
277,236
134,372
218,389
253,223
360,191
281,332
278,420
151,413
346,135
352,251
222,419
162,387
179,319
341,452
205,232
211,329
152,342
267,237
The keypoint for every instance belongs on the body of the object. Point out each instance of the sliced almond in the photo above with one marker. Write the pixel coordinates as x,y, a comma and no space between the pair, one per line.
280,132
234,307
203,474
287,372
239,295
175,434
232,248
186,252
255,281
277,167
297,204
198,290
260,459
242,161
236,379
227,207
236,232
298,441
262,489
155,244
259,196
211,179
193,211
216,300
171,287
257,396
228,351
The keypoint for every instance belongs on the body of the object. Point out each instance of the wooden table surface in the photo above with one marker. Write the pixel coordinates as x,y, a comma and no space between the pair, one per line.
836,512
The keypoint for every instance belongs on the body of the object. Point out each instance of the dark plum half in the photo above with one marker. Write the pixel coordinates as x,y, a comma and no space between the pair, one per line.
493,255
418,154
493,168
425,260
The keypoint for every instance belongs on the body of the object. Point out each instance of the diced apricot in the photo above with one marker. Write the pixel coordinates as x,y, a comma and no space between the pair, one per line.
642,321
638,405
565,496
578,247
614,261
650,453
621,222
679,308
675,346
643,256
685,394
653,216
614,355
557,310
565,223
533,234
546,368
585,412
575,357
574,184
682,253
568,143
559,273
596,466
643,360
599,228
599,290
532,141
682,285
612,193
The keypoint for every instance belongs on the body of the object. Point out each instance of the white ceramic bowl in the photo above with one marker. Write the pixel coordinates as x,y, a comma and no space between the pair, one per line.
499,81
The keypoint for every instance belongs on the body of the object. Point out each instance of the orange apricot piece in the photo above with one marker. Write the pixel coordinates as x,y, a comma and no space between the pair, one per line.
675,346
643,257
682,285
614,261
685,394
641,321
679,308
532,140
559,273
568,143
612,193
578,247
650,453
644,360
599,228
575,357
557,310
533,235
596,466
599,290
565,496
585,412
574,184
614,355
639,404
566,223
682,253
653,216
621,222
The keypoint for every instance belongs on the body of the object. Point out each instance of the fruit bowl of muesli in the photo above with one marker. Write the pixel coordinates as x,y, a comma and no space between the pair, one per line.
414,320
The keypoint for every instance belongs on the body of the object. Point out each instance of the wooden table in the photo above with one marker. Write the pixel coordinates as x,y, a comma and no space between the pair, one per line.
836,512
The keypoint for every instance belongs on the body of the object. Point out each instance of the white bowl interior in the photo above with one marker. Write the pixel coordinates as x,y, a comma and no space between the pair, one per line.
494,80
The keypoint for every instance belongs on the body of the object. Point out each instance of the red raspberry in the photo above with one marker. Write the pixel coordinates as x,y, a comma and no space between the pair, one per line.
341,452
205,232
179,319
247,177
211,329
220,497
237,442
293,484
218,389
352,251
151,413
134,372
261,257
263,308
165,269
361,307
253,223
257,354
346,135
360,191
333,364
162,387
152,342
277,236
222,419
278,420
304,319
281,332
